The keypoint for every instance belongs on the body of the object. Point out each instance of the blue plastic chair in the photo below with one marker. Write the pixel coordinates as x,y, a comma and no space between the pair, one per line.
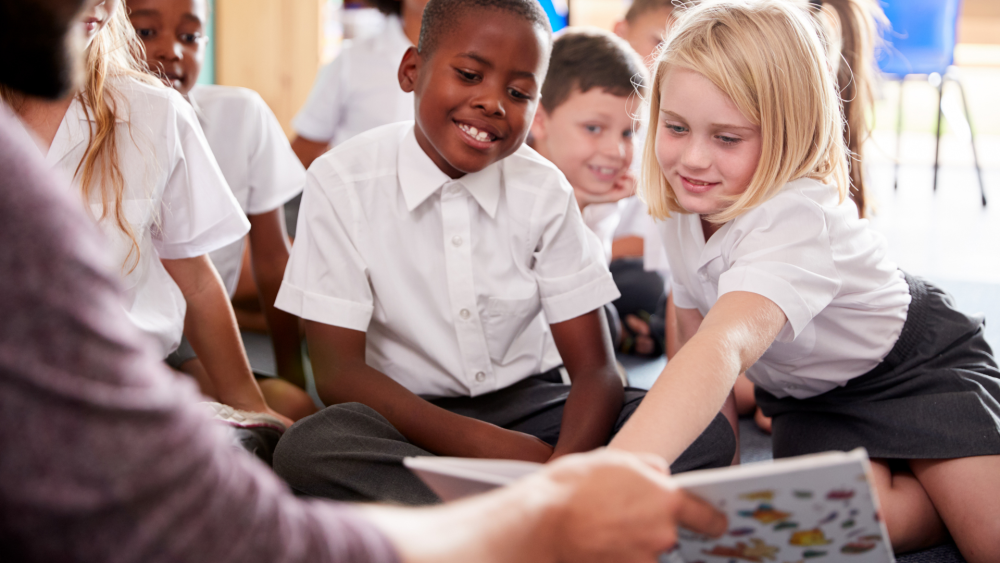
921,41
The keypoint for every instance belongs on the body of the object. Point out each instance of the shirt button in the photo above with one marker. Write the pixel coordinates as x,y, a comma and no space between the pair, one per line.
465,314
456,240
480,377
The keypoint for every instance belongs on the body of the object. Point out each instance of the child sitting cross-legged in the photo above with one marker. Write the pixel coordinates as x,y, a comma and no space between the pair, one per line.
446,278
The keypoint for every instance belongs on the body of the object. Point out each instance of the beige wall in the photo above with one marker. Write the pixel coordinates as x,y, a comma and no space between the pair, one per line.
271,46
979,22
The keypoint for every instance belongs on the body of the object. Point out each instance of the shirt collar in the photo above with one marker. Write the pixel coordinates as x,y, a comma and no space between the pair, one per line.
419,177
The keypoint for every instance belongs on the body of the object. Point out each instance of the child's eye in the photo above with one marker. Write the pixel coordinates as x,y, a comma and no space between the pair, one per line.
145,33
466,75
728,140
594,129
678,129
519,94
190,38
628,134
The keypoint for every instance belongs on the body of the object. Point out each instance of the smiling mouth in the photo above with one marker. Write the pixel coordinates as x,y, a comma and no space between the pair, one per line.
476,134
697,186
607,173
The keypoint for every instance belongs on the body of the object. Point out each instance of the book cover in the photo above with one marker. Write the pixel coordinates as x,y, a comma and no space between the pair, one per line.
807,509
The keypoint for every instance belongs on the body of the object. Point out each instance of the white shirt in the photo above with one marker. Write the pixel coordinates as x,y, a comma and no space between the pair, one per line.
254,156
455,281
358,90
175,199
845,302
602,219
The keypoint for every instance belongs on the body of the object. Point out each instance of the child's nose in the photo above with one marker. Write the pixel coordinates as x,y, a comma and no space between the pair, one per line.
696,154
490,102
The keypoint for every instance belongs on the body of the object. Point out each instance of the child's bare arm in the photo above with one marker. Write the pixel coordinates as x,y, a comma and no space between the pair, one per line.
342,376
268,256
210,326
596,395
693,387
307,150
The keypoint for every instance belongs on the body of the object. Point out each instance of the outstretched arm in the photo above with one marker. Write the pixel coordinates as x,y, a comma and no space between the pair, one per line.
696,382
342,376
596,395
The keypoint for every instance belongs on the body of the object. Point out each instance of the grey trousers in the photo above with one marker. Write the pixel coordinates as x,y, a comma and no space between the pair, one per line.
349,452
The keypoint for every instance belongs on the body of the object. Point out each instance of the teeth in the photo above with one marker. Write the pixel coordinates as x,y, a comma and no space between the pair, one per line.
475,133
697,183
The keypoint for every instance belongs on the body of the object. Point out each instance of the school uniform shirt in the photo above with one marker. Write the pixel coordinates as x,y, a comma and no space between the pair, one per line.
254,156
454,281
602,220
359,89
814,258
175,200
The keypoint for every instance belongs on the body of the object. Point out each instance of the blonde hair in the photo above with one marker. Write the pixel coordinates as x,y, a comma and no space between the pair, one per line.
114,54
767,57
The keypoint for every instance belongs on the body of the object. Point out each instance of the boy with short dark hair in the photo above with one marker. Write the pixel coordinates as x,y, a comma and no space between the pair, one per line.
585,127
445,276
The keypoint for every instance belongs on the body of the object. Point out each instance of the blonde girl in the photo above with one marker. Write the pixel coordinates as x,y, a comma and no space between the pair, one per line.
135,152
776,275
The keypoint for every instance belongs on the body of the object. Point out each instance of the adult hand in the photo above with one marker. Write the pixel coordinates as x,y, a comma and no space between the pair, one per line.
619,508
603,506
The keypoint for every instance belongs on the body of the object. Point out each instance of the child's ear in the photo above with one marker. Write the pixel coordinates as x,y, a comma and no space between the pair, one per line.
409,68
539,125
621,28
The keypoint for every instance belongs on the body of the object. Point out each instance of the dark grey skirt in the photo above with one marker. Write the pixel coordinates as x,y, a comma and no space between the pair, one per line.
935,396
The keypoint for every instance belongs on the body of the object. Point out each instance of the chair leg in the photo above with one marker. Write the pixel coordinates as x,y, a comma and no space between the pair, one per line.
972,133
937,142
899,131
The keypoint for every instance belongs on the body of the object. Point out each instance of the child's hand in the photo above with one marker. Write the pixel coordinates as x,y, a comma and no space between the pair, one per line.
623,187
510,444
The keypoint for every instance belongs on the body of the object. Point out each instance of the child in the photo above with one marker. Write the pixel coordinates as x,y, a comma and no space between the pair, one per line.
444,273
645,25
585,127
136,153
259,168
359,90
775,274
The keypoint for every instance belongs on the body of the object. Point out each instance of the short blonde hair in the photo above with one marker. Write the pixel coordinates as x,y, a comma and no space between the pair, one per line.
767,57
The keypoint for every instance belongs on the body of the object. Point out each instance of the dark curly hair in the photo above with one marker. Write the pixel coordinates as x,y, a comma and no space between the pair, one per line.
441,16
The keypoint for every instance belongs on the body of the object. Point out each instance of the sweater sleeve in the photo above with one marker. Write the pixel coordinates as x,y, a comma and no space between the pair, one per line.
105,454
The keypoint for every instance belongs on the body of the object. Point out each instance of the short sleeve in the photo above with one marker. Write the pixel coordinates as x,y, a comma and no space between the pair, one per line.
572,279
198,213
782,251
318,119
275,174
326,279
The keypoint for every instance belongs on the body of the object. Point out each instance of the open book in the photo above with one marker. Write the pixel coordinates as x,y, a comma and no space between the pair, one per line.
814,508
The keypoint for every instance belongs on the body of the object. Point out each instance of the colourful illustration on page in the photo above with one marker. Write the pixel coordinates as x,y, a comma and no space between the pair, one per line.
824,514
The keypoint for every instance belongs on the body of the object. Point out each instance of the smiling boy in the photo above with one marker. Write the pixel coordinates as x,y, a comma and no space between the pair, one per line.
445,276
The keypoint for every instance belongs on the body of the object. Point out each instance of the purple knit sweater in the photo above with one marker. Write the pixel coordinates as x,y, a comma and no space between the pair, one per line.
104,455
